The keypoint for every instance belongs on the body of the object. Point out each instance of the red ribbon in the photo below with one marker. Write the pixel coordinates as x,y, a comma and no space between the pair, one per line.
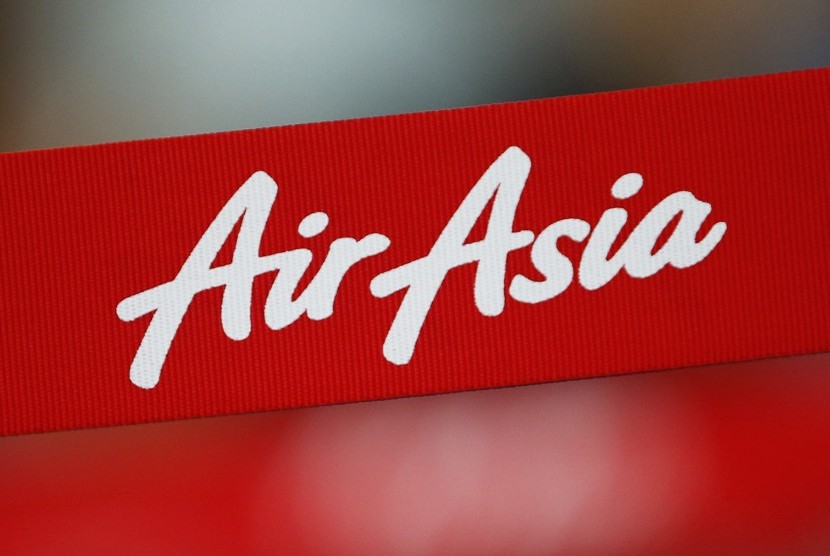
406,255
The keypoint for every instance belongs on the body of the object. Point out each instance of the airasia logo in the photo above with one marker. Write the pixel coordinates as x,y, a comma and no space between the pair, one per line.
502,184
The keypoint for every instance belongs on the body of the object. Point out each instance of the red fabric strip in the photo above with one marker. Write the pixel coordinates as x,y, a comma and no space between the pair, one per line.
724,188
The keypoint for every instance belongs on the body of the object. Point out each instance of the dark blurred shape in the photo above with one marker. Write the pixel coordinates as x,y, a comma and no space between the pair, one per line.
729,459
95,70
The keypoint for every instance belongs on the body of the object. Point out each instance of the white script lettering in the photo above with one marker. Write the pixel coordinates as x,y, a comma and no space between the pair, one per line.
252,203
501,187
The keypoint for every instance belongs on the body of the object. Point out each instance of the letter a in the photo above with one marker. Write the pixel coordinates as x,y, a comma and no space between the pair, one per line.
170,301
504,180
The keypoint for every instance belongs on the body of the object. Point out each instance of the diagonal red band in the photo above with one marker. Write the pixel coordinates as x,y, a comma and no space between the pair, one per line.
406,255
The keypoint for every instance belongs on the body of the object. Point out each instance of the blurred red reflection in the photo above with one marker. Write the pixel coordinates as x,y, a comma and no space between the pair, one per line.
729,458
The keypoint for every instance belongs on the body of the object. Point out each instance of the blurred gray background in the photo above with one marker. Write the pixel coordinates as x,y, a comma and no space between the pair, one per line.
713,460
93,71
